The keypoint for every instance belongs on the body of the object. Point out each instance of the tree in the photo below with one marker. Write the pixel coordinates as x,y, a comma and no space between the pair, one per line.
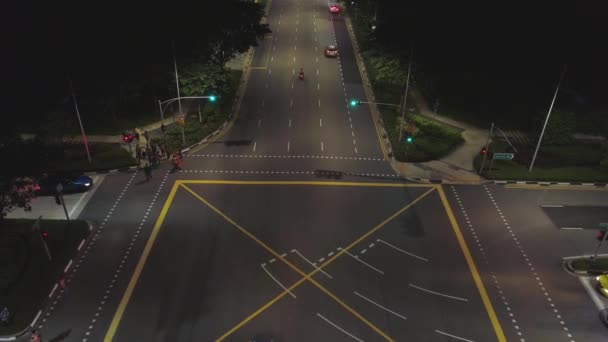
560,127
16,193
202,79
388,69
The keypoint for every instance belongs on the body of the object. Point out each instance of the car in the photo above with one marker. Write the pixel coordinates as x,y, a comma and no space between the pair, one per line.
331,51
47,185
335,9
602,284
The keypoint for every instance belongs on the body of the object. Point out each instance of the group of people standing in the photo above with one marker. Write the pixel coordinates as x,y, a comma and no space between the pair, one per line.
149,153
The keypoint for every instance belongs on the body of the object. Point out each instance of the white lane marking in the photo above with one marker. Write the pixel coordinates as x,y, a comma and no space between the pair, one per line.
313,265
337,327
294,47
254,145
571,228
317,72
361,261
289,124
320,122
317,59
401,250
439,294
453,336
259,123
599,304
318,86
321,146
294,57
291,103
293,71
378,305
291,84
319,103
271,58
356,150
551,206
262,102
278,282
97,180
288,146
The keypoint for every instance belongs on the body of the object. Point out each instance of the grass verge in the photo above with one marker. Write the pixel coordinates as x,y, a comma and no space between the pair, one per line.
582,264
26,274
570,163
103,157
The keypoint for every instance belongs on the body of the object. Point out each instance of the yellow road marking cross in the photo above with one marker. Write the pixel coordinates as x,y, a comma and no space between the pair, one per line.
305,277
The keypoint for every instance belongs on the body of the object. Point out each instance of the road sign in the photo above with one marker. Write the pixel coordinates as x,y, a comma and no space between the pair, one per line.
604,225
503,156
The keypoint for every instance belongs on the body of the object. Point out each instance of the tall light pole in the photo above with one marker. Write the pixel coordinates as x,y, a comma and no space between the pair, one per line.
179,101
84,136
542,132
407,84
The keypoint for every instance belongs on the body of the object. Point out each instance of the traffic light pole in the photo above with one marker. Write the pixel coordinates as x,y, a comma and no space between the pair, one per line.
593,259
37,230
487,144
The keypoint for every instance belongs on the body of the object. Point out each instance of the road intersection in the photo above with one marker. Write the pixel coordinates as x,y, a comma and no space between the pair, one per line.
294,226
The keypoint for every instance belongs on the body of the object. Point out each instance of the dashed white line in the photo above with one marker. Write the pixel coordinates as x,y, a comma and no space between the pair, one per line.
320,122
288,144
380,306
401,250
438,293
337,327
313,265
254,145
321,146
571,228
551,206
259,123
278,282
289,124
361,261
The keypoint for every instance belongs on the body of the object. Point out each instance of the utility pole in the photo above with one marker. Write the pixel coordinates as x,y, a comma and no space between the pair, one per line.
84,136
561,77
179,100
407,84
487,144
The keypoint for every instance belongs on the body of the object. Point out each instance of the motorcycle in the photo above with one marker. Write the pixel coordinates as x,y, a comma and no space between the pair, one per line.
301,75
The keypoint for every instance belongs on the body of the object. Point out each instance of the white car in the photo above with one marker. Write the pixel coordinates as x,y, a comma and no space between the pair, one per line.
331,51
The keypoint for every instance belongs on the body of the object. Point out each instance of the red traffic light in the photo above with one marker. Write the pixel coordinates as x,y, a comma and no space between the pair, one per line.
600,235
128,137
44,234
484,151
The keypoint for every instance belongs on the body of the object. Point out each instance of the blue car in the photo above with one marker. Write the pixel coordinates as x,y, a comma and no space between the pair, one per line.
70,184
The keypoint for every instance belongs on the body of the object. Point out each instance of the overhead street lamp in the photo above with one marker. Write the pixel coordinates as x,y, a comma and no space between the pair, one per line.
162,105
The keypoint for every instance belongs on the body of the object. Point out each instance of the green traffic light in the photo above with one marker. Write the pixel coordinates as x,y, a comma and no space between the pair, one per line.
212,98
409,140
353,103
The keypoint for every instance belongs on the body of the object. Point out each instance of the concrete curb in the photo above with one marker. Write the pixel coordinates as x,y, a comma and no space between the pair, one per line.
547,183
51,294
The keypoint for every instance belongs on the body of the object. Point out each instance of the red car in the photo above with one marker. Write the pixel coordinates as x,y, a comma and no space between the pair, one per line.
335,9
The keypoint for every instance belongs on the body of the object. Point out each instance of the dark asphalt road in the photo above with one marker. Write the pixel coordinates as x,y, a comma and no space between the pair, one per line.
409,278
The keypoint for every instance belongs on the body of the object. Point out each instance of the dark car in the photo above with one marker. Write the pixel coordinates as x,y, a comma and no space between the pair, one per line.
70,184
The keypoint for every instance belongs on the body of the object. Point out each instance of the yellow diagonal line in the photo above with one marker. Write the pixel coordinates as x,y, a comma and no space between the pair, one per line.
309,275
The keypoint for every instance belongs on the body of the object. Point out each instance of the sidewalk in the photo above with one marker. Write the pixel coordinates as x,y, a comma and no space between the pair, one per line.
456,166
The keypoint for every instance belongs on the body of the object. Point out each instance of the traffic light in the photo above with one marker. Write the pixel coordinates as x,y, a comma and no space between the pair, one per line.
212,98
127,137
484,151
44,234
600,235
353,103
408,138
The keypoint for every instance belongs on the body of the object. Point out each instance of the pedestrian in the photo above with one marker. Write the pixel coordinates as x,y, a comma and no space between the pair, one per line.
146,165
152,155
62,284
177,161
36,336
146,136
165,150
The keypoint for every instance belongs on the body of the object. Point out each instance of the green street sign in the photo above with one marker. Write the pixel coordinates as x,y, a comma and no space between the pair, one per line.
604,225
503,156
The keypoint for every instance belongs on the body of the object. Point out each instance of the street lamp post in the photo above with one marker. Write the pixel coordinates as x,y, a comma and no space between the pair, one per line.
407,84
84,136
178,96
542,132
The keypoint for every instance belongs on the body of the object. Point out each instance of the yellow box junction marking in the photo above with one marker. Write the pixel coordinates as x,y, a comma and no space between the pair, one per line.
472,267
305,277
